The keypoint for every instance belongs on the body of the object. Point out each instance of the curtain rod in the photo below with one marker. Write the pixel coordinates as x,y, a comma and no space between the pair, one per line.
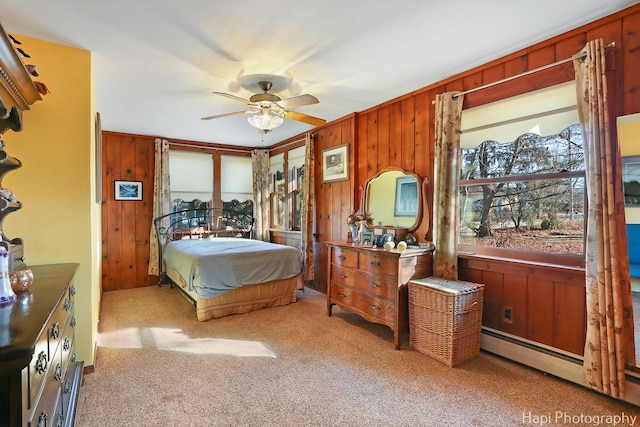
216,148
248,151
526,73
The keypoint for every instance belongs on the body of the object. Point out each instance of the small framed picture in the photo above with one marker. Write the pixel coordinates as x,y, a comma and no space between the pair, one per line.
128,190
335,163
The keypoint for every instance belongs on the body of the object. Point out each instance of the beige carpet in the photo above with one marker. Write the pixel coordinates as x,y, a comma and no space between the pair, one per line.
295,366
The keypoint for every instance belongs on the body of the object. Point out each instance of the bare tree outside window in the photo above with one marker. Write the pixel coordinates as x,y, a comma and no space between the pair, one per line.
526,195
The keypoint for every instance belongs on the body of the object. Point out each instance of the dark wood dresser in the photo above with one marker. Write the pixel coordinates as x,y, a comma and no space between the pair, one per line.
40,377
373,282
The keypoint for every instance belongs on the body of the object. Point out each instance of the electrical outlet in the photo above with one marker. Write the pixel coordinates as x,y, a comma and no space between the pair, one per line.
507,315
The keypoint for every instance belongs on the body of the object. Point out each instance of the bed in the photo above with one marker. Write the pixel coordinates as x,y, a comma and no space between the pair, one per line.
210,255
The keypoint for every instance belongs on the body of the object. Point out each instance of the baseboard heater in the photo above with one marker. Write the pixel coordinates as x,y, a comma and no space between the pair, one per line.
547,359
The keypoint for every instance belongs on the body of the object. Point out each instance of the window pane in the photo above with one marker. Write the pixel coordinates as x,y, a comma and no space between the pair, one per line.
236,178
191,175
543,215
527,195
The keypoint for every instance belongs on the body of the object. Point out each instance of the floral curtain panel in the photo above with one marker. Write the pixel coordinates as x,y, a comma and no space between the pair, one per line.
308,210
609,342
447,175
260,160
161,200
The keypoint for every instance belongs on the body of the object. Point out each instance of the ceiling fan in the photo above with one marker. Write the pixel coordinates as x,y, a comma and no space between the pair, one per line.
268,111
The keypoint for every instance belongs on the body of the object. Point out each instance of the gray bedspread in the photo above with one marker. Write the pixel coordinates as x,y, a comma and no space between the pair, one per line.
213,266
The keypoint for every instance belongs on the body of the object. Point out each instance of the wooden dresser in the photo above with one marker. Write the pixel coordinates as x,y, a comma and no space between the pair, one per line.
39,374
373,282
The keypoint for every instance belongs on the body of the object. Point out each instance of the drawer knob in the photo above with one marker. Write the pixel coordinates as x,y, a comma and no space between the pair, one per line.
73,322
73,357
342,295
67,304
342,257
72,290
57,375
344,276
55,330
60,420
375,263
374,285
41,363
374,307
67,386
42,419
66,345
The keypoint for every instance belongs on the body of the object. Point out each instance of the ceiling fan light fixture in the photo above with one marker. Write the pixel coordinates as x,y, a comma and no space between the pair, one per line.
264,121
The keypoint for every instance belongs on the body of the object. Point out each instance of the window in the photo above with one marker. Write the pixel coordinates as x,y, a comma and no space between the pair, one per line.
236,186
522,189
296,193
191,176
277,193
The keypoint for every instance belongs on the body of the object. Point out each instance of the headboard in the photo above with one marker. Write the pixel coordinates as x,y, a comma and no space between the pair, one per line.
201,222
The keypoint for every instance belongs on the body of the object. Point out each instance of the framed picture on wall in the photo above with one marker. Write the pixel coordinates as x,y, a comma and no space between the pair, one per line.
128,190
335,163
631,180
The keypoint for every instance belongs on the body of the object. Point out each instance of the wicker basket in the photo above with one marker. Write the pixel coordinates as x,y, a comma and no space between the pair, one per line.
445,318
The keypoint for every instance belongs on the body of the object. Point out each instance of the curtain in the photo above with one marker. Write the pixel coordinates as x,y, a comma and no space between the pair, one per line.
609,343
161,200
447,175
308,210
260,168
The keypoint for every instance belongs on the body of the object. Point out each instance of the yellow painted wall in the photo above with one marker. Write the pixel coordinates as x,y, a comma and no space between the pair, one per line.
60,219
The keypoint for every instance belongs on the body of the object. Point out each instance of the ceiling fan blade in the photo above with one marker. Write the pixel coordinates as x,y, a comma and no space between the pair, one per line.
237,113
236,98
304,118
297,101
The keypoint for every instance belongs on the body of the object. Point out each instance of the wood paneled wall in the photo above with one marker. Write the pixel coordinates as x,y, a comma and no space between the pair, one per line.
548,305
126,224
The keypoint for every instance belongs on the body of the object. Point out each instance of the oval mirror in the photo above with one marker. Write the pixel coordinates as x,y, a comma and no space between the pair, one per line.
394,199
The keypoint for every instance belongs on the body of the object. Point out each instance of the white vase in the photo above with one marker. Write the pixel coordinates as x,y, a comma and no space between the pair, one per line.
6,292
355,238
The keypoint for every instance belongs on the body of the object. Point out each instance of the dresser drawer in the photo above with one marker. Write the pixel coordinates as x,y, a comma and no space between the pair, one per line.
57,323
344,257
378,262
67,381
382,285
38,369
46,412
376,307
345,275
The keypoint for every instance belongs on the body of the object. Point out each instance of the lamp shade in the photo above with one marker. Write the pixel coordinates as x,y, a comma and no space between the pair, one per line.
265,121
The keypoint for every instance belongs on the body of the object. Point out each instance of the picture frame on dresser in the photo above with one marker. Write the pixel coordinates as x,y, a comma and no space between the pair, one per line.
335,163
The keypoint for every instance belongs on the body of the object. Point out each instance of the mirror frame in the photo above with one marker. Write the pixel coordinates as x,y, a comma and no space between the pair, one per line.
422,195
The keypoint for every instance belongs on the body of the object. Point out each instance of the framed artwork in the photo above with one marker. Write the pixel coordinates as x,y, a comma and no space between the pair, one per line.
406,196
631,180
128,190
335,163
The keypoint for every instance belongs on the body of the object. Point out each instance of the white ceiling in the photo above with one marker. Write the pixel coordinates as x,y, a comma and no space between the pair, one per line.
156,62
